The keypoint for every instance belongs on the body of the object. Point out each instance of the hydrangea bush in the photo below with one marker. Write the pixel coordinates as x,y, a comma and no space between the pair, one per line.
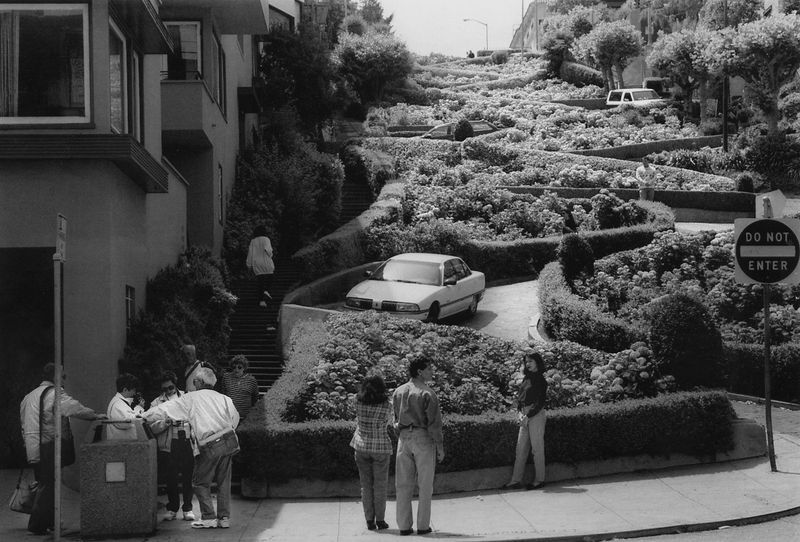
474,373
702,266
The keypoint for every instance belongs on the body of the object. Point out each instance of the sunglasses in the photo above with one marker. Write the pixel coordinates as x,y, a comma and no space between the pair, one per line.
168,388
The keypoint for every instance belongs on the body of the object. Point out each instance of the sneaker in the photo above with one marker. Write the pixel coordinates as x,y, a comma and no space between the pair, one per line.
271,328
224,523
170,516
188,515
205,524
266,293
262,304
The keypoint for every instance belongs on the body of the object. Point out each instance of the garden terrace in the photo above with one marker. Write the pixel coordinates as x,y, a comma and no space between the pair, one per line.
609,309
327,360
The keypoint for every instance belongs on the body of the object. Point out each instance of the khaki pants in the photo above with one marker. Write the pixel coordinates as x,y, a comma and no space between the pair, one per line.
530,439
213,469
415,465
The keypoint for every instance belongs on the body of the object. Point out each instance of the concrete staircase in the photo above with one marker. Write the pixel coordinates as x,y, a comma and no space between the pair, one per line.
356,198
249,323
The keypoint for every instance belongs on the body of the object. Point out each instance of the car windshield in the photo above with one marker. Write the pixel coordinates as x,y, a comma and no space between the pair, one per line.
407,271
647,94
615,96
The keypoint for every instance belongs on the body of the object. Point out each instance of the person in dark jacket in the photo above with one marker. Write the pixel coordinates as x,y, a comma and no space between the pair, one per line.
532,418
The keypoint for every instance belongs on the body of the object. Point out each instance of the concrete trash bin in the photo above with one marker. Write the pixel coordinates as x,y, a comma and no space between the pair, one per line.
118,483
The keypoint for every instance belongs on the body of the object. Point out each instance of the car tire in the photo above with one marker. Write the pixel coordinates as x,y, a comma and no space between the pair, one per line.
433,314
473,306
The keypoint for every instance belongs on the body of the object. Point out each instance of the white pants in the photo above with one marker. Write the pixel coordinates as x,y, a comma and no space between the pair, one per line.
530,439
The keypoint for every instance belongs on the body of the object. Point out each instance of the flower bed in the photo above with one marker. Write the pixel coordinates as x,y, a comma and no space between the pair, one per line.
468,365
610,308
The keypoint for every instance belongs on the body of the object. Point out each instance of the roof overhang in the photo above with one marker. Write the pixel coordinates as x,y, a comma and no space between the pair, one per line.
127,153
231,16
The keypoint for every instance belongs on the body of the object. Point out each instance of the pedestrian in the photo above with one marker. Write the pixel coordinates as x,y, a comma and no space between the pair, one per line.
175,457
124,408
418,421
259,262
213,418
532,418
37,418
646,176
373,448
240,385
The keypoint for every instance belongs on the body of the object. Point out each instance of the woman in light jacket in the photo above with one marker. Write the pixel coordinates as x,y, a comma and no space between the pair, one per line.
259,261
373,449
532,418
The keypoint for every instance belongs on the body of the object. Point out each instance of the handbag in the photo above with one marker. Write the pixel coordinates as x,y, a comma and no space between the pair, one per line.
67,439
224,445
24,495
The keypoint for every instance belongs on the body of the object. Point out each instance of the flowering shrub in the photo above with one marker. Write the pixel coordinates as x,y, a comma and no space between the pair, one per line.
474,373
701,266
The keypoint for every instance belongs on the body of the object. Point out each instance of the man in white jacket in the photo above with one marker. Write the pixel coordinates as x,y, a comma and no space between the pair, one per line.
213,418
39,442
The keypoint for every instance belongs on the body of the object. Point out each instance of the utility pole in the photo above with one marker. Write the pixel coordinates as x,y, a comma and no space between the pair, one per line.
725,90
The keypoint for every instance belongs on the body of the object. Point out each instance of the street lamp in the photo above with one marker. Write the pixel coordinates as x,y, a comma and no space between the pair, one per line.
485,27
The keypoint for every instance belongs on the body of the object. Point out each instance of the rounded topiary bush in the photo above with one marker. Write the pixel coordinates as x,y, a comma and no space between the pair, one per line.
575,255
685,341
499,57
745,181
463,130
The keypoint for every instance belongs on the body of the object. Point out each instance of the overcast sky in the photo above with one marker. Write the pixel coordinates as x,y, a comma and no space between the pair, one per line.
438,25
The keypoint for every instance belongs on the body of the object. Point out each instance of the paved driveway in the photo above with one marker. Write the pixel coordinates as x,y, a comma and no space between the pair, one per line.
507,311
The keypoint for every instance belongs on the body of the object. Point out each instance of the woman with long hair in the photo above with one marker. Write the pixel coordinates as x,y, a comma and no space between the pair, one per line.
372,446
259,261
532,419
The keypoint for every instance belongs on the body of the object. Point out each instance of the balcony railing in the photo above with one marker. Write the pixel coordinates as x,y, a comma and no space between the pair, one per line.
181,75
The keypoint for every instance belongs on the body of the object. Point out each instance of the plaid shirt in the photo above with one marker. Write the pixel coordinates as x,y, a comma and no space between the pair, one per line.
371,433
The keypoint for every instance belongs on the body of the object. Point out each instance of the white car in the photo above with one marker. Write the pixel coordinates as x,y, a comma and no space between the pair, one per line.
637,97
420,286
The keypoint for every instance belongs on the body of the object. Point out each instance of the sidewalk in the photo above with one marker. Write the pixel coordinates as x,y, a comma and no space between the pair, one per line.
622,506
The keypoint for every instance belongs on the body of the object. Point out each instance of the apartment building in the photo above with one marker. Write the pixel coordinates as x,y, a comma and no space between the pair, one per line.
125,117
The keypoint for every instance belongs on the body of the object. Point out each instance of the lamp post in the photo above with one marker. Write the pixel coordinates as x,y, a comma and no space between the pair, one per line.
485,27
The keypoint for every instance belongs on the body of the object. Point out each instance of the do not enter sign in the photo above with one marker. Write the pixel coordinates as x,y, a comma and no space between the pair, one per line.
767,250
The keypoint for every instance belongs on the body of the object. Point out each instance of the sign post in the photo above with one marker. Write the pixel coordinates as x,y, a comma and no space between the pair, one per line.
767,252
59,258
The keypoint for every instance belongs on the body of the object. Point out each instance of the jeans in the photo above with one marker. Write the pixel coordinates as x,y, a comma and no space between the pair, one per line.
179,465
213,469
373,471
415,465
264,283
530,439
647,194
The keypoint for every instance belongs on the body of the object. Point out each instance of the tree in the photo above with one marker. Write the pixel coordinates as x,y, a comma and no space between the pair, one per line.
739,12
371,61
564,6
372,12
682,57
298,73
766,54
610,46
354,24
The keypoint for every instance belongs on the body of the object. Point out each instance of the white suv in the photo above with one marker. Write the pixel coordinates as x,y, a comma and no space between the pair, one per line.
637,97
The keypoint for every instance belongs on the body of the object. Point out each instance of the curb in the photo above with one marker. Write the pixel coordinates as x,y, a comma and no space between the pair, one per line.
671,529
761,401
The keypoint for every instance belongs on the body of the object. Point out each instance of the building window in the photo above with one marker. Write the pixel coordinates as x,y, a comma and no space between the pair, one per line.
44,63
136,96
185,62
221,190
118,84
130,306
216,81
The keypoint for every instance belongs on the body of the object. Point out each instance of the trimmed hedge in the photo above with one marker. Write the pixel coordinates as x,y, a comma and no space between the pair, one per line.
743,365
366,167
637,150
580,74
567,317
710,201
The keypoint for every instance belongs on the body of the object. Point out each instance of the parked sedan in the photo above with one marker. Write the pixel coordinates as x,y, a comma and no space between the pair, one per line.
637,97
420,286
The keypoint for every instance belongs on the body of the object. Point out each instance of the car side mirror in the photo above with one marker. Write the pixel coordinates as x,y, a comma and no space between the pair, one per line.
450,281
